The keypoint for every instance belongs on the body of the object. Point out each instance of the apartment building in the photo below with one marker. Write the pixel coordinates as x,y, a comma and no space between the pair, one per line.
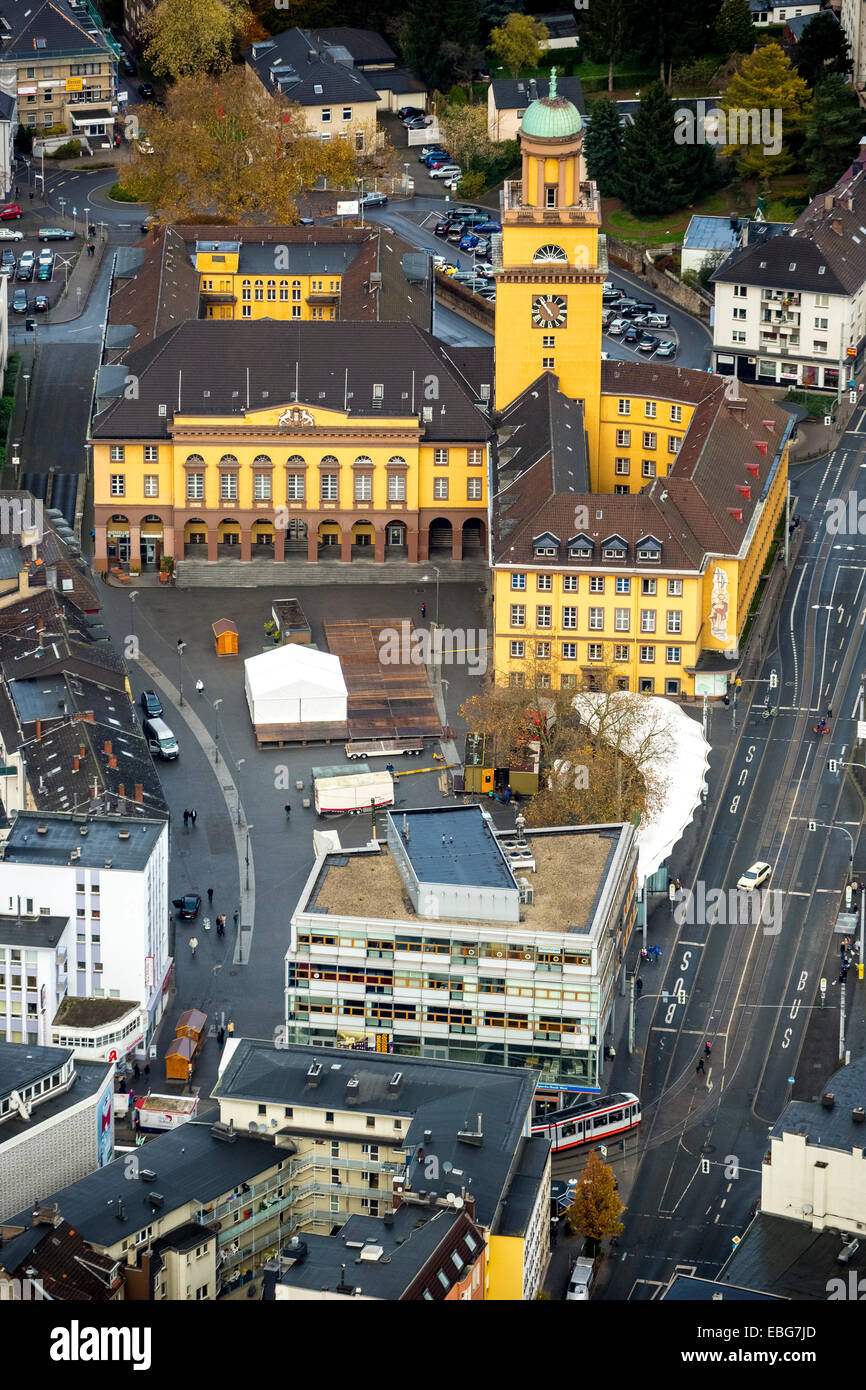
339,101
218,1202
515,965
85,918
767,12
60,64
793,312
853,20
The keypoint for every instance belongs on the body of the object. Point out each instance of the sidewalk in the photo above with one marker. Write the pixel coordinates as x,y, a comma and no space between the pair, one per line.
72,304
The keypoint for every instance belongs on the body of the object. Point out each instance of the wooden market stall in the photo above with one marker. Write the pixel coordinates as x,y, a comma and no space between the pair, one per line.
225,637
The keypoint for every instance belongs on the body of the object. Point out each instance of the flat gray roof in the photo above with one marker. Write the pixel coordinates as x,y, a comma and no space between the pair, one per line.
830,1129
31,931
102,842
453,845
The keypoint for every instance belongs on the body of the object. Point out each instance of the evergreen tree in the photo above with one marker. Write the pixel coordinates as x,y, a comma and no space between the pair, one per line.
823,49
667,33
735,30
766,82
425,34
652,164
833,132
603,146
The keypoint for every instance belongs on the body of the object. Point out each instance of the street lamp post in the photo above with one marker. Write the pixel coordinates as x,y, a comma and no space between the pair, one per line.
238,765
247,855
61,203
181,647
216,754
26,391
426,580
823,825
132,597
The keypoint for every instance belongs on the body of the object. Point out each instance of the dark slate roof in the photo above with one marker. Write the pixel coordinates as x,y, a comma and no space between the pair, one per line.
190,1166
830,1129
63,834
94,786
7,106
90,1080
162,293
397,80
782,264
365,45
523,1191
408,1242
21,1065
789,1259
513,93
295,65
443,1097
265,358
311,258
31,932
65,33
690,1289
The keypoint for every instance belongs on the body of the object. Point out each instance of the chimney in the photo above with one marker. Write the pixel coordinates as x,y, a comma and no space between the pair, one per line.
828,202
112,762
81,751
139,792
836,224
106,747
76,763
121,789
38,728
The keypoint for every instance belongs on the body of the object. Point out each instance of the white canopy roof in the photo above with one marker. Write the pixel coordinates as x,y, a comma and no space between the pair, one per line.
679,759
296,671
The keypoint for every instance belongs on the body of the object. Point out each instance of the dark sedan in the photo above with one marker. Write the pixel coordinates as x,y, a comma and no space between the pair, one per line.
632,334
41,304
187,906
150,703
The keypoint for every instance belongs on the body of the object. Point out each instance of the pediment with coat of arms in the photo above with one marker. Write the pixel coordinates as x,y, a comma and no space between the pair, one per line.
296,415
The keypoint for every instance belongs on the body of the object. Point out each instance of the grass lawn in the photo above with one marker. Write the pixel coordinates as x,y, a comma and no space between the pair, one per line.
671,226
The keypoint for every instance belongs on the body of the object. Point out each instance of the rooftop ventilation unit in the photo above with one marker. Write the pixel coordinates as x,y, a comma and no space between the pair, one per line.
395,1085
147,1175
223,1131
156,1199
314,1073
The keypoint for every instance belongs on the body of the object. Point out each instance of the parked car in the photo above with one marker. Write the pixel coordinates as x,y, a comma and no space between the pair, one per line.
24,271
648,343
456,232
483,267
469,212
187,906
449,268
160,739
44,271
644,306
447,171
631,335
10,234
608,286
129,67
46,256
10,213
54,234
145,91
151,704
406,111
374,200
441,228
627,306
20,302
667,349
659,320
617,327
417,122
431,152
468,242
7,263
488,226
41,304
488,293
434,160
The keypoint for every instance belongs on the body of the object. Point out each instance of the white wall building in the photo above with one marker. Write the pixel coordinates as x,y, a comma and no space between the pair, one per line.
792,310
766,12
853,20
91,897
295,685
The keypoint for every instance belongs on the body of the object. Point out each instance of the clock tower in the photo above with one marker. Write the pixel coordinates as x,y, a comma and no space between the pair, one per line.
552,264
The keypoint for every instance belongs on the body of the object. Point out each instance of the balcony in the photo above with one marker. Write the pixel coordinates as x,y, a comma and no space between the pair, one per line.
587,211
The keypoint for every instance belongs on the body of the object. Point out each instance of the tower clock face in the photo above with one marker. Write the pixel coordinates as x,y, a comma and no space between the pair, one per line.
549,310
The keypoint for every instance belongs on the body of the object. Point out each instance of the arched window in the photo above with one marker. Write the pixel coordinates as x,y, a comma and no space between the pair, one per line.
396,461
195,461
363,462
550,253
296,461
330,462
228,461
261,461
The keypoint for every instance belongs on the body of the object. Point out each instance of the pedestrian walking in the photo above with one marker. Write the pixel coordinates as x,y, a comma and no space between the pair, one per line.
230,1029
207,923
639,984
237,916
843,974
423,610
17,191
288,809
210,897
186,820
699,1069
221,923
193,815
136,1071
707,1048
147,1068
829,714
199,685
31,195
221,1035
644,955
193,943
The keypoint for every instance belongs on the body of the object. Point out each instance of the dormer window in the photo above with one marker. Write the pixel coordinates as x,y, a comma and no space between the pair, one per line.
649,550
546,547
614,548
580,548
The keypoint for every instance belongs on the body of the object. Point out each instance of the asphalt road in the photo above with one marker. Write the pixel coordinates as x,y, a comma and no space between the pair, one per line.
747,989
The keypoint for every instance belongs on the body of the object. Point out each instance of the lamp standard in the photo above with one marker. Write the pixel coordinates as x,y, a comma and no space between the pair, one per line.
238,766
216,752
181,648
425,579
247,855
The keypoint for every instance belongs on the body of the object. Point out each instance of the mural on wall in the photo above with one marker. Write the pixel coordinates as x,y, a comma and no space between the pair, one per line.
105,1135
719,606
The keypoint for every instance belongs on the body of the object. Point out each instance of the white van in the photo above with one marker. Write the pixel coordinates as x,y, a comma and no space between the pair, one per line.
580,1281
160,739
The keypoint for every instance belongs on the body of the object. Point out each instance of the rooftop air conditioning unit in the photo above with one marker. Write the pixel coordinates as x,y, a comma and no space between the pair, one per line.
527,892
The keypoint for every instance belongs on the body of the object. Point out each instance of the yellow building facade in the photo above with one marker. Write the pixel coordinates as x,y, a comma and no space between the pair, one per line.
240,281
642,577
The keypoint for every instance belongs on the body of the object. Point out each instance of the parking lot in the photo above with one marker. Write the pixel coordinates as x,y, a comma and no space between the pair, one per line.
35,267
635,327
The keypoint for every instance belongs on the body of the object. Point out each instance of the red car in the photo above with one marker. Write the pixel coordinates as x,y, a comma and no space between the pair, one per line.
10,213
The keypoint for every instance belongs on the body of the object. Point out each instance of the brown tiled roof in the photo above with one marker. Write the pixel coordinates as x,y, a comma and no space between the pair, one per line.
163,293
70,1269
631,517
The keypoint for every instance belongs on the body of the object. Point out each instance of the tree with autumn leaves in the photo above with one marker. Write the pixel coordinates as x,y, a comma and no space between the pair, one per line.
597,749
596,1208
228,146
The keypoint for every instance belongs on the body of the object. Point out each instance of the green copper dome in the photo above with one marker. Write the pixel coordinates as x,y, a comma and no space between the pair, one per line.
552,117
